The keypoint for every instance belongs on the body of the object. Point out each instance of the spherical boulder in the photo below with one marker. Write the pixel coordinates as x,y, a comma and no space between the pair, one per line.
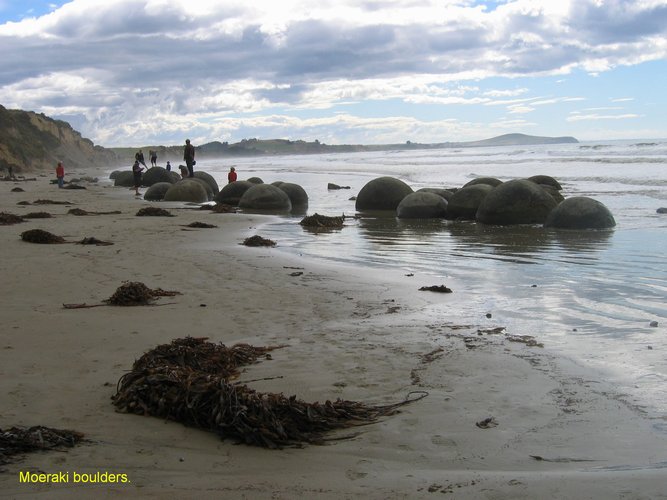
231,193
297,195
187,190
154,175
491,181
580,212
546,179
265,197
383,193
157,191
255,180
209,179
124,178
515,202
463,204
421,205
114,174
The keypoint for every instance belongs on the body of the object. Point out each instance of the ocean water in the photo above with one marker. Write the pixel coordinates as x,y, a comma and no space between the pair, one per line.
592,295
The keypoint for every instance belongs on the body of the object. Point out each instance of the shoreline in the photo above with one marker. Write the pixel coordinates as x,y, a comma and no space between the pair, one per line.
350,334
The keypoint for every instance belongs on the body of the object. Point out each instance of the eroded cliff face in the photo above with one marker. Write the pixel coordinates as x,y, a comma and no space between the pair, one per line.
34,142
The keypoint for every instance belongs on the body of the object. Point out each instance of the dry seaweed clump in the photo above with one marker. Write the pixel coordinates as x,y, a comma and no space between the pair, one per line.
201,225
258,241
7,219
188,381
41,236
77,211
322,221
18,440
135,293
38,215
153,212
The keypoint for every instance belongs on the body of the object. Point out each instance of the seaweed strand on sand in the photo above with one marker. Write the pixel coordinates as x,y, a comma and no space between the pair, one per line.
18,440
189,381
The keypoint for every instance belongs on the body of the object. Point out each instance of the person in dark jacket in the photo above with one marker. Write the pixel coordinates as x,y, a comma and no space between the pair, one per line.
189,157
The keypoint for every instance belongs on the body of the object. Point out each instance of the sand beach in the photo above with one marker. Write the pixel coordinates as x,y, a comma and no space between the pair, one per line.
502,419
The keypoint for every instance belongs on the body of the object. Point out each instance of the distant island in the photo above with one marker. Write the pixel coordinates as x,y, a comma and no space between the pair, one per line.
32,141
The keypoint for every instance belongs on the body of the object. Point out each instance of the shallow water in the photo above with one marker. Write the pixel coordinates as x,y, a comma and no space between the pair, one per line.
590,294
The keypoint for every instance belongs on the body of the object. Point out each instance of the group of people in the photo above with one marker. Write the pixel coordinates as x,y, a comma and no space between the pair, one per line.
187,170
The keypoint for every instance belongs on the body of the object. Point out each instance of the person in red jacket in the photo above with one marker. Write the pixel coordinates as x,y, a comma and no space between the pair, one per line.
231,176
60,174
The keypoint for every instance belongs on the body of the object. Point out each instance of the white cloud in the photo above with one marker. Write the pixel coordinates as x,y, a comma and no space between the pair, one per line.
194,62
577,117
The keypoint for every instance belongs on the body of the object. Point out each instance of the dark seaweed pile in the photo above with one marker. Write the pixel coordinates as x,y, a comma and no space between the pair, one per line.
135,293
188,381
19,440
258,241
41,236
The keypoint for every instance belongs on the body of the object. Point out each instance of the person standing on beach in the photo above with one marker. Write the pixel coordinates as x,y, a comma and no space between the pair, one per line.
168,167
231,176
153,155
189,157
60,174
136,171
140,158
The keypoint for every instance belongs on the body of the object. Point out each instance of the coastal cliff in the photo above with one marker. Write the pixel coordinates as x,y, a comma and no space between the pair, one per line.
34,142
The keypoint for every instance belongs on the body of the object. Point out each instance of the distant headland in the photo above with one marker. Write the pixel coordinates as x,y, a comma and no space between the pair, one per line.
32,141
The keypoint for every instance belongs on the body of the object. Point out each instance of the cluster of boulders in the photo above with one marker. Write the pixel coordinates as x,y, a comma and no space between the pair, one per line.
251,194
535,200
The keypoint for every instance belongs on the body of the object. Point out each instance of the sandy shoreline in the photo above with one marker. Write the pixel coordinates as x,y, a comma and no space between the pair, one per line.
350,334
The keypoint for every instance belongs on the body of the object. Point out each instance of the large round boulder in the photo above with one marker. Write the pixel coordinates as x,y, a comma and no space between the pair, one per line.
383,193
547,180
421,205
580,212
209,179
463,204
124,178
187,190
265,197
297,195
231,193
157,191
516,202
491,181
255,180
154,175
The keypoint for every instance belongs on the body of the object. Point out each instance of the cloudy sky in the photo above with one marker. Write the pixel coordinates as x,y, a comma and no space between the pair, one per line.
142,72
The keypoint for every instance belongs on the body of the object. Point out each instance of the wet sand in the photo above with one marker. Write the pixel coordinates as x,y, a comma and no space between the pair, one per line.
561,431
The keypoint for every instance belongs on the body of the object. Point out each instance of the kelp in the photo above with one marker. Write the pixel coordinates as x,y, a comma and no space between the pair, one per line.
322,221
8,219
135,293
154,212
188,381
258,241
19,440
41,236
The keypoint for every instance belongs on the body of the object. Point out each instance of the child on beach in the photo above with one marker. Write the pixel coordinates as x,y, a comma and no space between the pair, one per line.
231,176
60,174
184,171
136,170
